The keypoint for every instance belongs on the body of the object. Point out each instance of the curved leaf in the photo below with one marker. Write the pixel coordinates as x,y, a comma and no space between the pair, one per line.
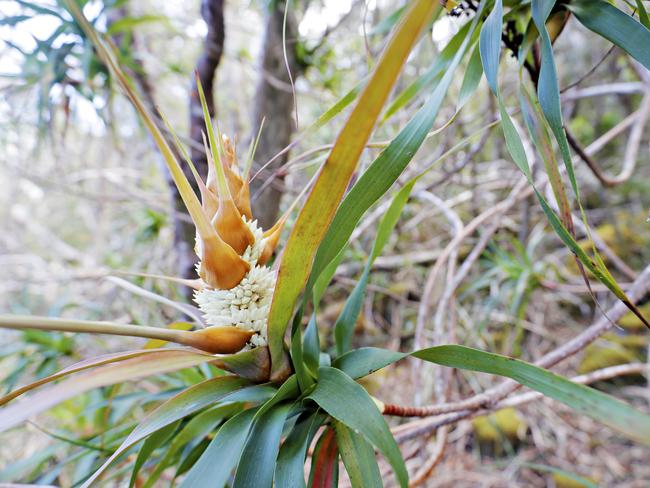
358,457
318,211
149,446
158,362
349,403
588,401
387,167
193,399
344,325
257,464
80,366
606,20
290,466
366,360
202,424
214,467
324,462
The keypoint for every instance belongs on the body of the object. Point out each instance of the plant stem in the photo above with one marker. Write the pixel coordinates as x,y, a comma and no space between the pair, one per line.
215,340
22,322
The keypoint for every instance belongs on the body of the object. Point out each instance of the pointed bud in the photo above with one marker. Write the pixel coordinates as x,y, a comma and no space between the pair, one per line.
230,226
271,239
239,188
243,201
221,267
219,340
227,221
229,153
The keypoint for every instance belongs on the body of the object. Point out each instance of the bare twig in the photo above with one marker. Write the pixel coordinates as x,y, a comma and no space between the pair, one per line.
631,149
417,428
490,398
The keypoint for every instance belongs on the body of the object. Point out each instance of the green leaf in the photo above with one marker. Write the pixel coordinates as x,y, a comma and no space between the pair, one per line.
490,45
347,319
384,170
366,360
290,467
548,89
304,378
585,400
643,14
257,464
349,403
126,24
214,467
152,443
318,211
193,399
358,457
311,346
201,425
600,406
616,26
287,391
136,367
472,78
432,76
490,49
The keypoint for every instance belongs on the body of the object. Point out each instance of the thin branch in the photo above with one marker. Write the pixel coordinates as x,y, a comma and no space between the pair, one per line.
215,340
490,398
631,149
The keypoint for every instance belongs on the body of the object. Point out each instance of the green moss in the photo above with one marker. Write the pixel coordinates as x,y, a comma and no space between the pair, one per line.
564,481
633,323
612,350
504,423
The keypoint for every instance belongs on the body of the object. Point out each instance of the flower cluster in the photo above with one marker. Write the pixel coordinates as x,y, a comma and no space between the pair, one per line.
246,306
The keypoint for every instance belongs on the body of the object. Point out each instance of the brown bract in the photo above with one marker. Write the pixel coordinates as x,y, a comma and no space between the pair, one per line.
221,267
219,340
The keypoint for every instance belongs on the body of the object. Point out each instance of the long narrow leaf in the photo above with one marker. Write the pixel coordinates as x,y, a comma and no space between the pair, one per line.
616,26
193,399
257,464
326,194
358,457
385,170
78,367
214,467
348,402
202,424
585,400
159,362
324,462
344,325
290,467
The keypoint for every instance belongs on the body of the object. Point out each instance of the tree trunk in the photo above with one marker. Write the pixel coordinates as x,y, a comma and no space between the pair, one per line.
274,103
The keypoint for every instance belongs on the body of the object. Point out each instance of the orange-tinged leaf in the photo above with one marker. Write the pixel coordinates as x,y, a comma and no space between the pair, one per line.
152,363
319,209
184,188
75,368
